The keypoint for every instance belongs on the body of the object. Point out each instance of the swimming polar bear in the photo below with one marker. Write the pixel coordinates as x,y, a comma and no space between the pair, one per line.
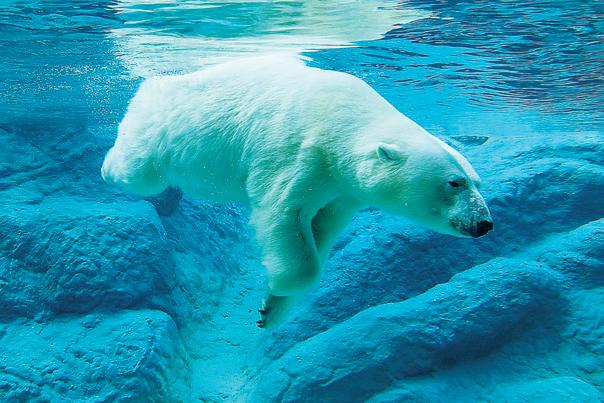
304,148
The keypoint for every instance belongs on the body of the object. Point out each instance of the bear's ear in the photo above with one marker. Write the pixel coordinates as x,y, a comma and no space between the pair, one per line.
390,152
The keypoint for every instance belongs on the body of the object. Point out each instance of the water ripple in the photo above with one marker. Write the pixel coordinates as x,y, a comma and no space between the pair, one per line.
168,37
547,55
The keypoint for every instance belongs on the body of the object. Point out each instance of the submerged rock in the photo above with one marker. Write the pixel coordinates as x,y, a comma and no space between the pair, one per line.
166,202
561,389
68,256
471,315
127,356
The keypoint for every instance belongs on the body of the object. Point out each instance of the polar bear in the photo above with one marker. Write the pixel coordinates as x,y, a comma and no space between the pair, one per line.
304,148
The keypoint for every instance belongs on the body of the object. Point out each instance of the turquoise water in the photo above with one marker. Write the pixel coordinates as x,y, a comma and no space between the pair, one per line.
106,296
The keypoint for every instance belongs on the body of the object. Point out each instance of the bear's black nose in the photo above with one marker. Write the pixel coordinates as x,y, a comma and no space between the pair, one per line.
483,227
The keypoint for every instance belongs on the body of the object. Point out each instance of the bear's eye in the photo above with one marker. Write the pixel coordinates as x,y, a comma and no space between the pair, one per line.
454,184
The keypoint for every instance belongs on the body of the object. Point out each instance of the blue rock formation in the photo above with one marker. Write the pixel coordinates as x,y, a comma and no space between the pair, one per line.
76,257
469,316
123,356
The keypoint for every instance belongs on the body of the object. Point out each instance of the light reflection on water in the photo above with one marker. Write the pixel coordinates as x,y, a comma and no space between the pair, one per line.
159,37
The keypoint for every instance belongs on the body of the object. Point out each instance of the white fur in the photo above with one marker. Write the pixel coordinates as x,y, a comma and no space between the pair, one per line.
305,148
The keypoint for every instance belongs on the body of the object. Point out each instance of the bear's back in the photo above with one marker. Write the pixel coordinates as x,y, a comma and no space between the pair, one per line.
203,131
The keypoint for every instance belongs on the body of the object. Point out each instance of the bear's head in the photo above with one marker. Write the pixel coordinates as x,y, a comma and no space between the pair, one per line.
428,182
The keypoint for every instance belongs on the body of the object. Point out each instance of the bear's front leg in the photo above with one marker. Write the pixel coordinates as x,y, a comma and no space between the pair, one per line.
274,309
289,256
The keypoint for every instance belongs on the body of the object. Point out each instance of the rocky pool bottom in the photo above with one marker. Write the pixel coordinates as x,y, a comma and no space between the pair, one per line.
105,296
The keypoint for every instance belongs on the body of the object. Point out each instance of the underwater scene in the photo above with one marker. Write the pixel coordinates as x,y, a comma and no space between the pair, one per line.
302,201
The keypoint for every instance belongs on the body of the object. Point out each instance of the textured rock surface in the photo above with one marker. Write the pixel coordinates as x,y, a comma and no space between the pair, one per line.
68,256
562,389
131,355
470,315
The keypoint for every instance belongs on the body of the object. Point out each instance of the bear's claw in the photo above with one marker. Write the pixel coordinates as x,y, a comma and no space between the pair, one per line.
263,314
